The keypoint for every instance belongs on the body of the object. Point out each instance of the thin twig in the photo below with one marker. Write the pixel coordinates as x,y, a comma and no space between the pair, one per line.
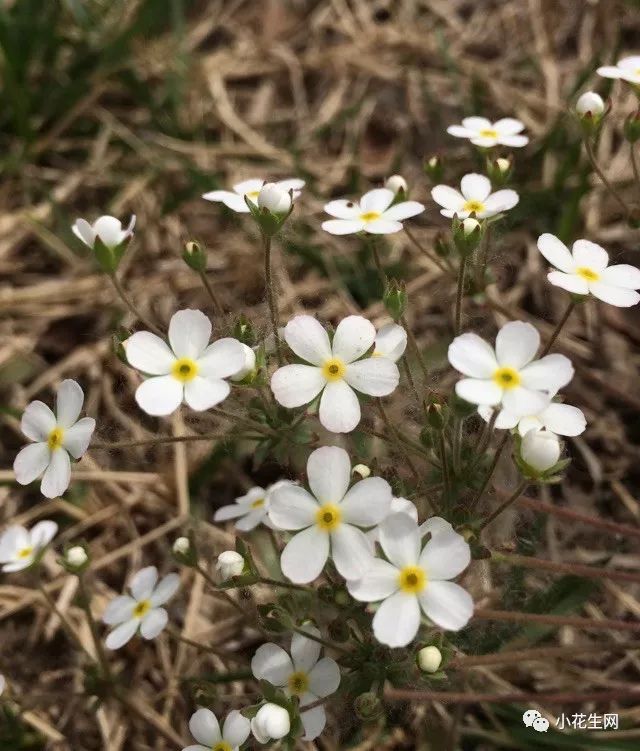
594,163
492,468
602,624
579,569
511,499
271,296
460,295
128,302
219,311
558,328
424,251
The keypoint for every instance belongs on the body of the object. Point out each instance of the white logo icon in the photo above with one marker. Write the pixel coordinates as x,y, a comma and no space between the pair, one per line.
541,724
533,719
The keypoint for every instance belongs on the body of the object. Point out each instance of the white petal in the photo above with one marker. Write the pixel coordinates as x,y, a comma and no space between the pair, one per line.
222,358
631,62
84,231
324,677
570,282
529,423
436,525
204,393
329,473
119,610
252,185
305,652
339,407
379,581
563,419
556,252
508,126
294,183
448,197
501,200
232,511
69,400
609,71
377,200
367,503
236,729
205,728
343,226
447,604
504,421
19,565
313,721
382,227
403,210
143,583
189,333
292,507
343,209
295,385
391,341
476,123
148,353
523,401
308,339
76,439
478,391
165,590
153,623
160,395
57,475
445,556
400,540
231,200
42,534
31,462
37,421
121,634
621,275
109,230
13,539
375,376
305,555
460,131
475,187
350,551
586,253
271,663
550,373
404,506
354,336
249,364
486,142
619,296
514,141
397,620
196,747
516,344
472,356
252,519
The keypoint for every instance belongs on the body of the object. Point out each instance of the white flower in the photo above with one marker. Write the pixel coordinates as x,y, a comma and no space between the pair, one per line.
374,214
76,556
482,132
181,545
390,341
336,370
251,190
396,183
142,610
55,436
398,506
107,228
250,509
229,564
585,270
19,547
628,69
187,369
330,517
590,103
271,722
540,449
429,659
248,366
508,375
475,196
205,728
412,580
273,198
303,675
558,418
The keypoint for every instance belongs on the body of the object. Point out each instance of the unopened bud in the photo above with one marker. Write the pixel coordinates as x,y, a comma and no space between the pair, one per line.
590,104
632,127
470,225
76,559
466,234
433,168
368,706
274,199
540,450
429,659
229,564
194,256
436,418
362,470
181,546
397,184
184,551
395,300
271,722
499,170
249,364
243,331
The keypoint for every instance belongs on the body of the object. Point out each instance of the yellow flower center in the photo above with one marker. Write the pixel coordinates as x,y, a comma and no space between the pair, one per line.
489,133
587,274
473,206
222,746
370,216
56,436
24,553
328,517
507,378
334,369
141,609
185,369
412,580
298,683
258,503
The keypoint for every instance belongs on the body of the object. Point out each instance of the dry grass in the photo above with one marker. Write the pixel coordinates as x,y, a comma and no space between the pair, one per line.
344,93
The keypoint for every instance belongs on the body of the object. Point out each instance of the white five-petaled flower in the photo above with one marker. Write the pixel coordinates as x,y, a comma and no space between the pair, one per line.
54,437
482,132
413,579
330,517
508,375
390,341
584,270
374,214
302,674
474,197
107,228
558,418
187,369
250,509
205,728
398,506
20,547
336,370
142,610
250,189
628,69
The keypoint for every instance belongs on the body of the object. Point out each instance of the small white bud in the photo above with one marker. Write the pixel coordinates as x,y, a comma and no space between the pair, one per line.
3,683
396,183
362,470
540,449
181,546
76,556
274,199
429,659
229,564
249,363
470,225
271,722
504,165
590,103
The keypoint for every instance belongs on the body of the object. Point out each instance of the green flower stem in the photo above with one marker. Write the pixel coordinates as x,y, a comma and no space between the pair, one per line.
442,452
85,604
492,468
271,296
413,342
460,294
412,384
504,505
594,163
634,163
284,584
396,436
129,304
378,262
220,592
558,328
217,307
197,645
434,259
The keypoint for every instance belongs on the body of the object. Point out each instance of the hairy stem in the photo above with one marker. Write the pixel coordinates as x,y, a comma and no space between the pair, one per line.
219,592
505,505
594,163
129,303
556,332
413,342
271,296
85,604
492,469
433,258
460,294
217,307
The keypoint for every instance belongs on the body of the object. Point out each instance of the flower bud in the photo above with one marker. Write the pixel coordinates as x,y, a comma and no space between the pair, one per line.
229,564
436,418
395,300
271,722
540,450
429,659
249,364
499,170
397,184
470,225
274,199
433,168
194,256
362,470
184,551
181,546
632,127
368,706
466,234
75,559
590,104
243,331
